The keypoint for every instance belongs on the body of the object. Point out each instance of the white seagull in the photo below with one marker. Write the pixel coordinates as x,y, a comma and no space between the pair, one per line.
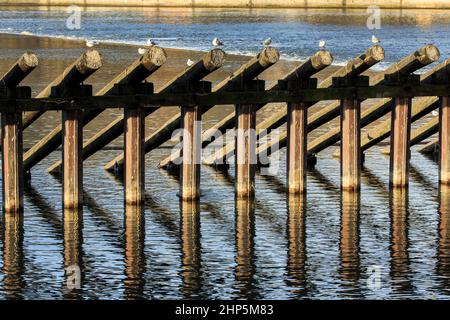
150,43
375,39
189,63
267,42
141,51
322,44
90,43
217,43
434,113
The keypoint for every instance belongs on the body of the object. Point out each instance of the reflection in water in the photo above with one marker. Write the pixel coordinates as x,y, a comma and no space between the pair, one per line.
400,268
349,241
443,258
190,246
245,248
296,229
134,252
73,254
13,264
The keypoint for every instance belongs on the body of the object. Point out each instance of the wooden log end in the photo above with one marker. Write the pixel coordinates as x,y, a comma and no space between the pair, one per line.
268,56
28,61
90,61
214,59
428,54
374,55
154,56
321,59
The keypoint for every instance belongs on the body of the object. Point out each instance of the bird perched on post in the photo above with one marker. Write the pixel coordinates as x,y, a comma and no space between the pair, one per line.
434,113
267,42
141,51
150,43
217,43
189,62
322,44
375,40
90,43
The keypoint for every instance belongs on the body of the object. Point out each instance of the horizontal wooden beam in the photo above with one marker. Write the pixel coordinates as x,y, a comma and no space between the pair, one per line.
223,98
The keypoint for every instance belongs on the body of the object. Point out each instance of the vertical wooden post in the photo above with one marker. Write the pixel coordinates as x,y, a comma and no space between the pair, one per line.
444,142
400,134
191,153
12,161
350,145
134,155
72,161
297,120
245,150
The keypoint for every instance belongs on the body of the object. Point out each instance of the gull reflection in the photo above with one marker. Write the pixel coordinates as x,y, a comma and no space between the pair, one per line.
296,262
191,247
134,252
13,258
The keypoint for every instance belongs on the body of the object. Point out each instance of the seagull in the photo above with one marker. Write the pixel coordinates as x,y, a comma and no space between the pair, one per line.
217,43
150,43
434,113
90,43
322,44
189,62
141,51
375,39
267,42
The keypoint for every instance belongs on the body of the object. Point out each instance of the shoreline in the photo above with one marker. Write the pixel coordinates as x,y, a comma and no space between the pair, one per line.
239,4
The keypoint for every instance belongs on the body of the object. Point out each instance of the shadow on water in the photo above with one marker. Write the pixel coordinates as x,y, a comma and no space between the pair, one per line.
349,270
443,254
13,256
399,247
296,234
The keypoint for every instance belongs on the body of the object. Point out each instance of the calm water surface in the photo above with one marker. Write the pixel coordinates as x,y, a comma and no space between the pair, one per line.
276,247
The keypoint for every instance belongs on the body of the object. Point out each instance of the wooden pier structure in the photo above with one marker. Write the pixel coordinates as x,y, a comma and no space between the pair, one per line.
342,94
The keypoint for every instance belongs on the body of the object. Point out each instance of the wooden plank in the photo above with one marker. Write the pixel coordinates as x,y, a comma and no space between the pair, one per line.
351,145
400,135
266,58
444,136
134,173
139,70
19,70
72,164
12,162
191,153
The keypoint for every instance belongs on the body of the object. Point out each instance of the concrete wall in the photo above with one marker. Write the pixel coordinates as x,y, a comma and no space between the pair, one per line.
429,4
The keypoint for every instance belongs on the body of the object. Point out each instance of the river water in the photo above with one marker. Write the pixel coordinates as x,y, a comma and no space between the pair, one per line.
378,244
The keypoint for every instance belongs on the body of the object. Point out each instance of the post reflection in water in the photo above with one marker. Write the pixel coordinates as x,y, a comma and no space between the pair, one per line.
400,268
13,258
191,248
296,262
73,253
134,252
349,270
245,248
443,257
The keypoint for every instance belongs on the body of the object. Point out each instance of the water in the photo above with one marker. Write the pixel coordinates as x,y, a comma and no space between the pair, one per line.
276,247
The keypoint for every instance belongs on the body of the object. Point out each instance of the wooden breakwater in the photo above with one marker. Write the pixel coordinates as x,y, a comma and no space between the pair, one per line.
343,91
394,4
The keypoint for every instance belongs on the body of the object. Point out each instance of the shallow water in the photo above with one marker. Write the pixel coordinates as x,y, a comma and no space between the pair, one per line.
276,247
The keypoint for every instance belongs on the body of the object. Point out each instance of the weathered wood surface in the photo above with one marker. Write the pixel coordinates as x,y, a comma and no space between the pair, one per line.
89,62
358,65
20,69
210,62
444,141
411,63
351,145
139,70
266,58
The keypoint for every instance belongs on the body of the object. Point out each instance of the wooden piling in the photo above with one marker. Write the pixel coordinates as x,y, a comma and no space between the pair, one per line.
20,69
72,163
12,161
444,136
245,150
400,134
73,251
134,173
351,145
191,153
